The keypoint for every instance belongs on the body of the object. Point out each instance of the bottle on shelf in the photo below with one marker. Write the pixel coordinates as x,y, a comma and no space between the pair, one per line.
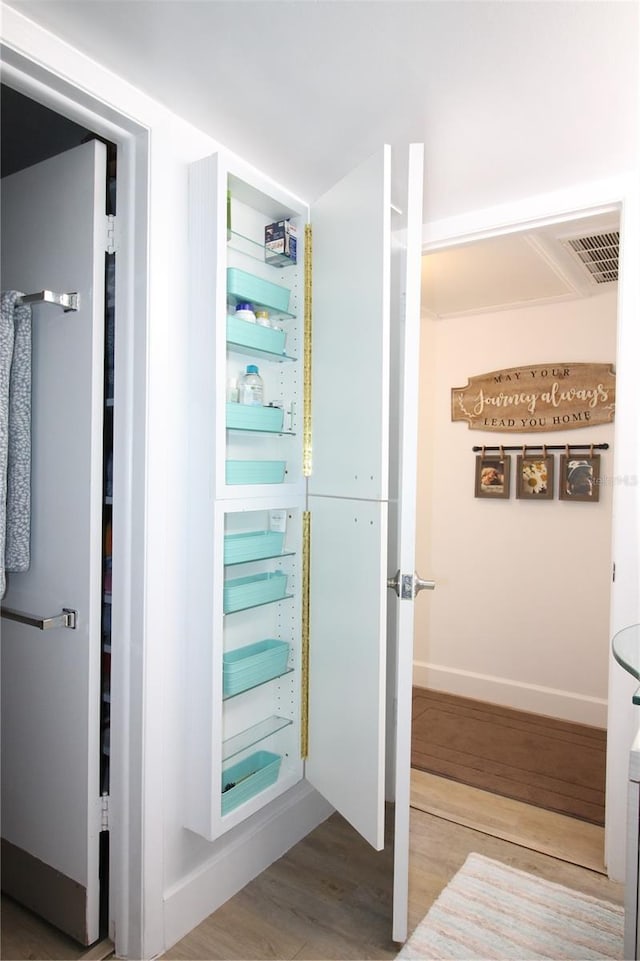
232,391
262,318
244,311
251,387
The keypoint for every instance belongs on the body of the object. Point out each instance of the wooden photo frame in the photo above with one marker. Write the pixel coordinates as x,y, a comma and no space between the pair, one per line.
493,474
534,476
579,477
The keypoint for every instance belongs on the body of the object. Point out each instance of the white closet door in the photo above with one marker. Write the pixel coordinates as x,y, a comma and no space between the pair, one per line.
348,492
53,231
403,496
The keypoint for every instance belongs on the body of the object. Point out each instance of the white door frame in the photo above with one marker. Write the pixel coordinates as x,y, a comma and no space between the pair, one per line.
127,889
618,194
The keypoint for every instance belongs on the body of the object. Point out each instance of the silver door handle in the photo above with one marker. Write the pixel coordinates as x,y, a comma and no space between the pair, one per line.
420,585
410,584
66,618
393,583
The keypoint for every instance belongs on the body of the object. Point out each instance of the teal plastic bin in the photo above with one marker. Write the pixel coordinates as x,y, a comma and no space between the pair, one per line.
252,417
252,546
253,664
243,592
261,293
247,778
255,471
245,334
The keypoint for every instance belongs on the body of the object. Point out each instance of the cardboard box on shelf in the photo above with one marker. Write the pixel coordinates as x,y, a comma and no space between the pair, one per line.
280,243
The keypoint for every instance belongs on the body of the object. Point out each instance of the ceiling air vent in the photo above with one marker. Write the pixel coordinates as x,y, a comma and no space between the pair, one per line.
598,255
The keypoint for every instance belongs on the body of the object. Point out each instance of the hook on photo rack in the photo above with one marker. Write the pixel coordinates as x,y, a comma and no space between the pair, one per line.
542,447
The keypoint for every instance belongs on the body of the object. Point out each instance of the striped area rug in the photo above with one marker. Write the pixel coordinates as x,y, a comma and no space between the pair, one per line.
492,911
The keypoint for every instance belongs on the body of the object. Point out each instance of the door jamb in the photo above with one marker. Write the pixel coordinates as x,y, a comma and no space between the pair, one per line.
127,828
616,194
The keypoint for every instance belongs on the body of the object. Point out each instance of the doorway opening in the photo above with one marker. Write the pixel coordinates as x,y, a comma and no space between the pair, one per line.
511,653
32,134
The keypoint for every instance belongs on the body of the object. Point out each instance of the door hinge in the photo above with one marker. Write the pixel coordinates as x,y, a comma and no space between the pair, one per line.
111,240
104,813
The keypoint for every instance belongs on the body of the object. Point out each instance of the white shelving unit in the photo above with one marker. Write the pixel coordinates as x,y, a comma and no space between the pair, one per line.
239,475
245,751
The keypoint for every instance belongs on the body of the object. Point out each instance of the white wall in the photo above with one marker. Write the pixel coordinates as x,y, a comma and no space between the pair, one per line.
525,128
520,616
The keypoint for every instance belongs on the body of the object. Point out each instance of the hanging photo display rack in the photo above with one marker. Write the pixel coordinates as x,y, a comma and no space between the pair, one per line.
579,474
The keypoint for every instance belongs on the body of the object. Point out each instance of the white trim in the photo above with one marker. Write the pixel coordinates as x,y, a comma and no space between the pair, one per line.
533,698
540,210
510,305
130,427
196,896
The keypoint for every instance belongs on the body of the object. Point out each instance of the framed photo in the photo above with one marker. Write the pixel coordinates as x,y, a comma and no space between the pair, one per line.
534,477
579,477
492,476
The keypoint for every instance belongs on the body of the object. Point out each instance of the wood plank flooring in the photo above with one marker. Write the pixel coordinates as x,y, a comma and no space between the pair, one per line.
557,835
439,849
553,764
25,937
330,896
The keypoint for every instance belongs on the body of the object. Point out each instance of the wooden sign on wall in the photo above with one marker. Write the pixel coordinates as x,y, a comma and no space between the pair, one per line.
543,397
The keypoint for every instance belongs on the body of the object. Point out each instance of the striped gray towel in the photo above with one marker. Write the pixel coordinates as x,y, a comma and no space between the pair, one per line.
15,435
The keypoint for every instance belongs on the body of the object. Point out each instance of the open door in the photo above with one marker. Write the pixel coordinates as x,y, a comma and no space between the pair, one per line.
405,377
348,495
53,238
361,529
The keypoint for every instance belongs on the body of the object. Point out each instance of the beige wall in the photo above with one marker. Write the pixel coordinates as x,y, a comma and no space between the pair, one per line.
520,614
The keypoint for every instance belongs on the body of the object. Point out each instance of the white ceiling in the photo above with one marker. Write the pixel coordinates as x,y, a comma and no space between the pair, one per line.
306,89
502,92
515,270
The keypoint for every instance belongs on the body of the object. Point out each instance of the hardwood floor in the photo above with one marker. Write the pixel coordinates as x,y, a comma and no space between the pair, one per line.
439,849
26,937
330,896
557,835
553,764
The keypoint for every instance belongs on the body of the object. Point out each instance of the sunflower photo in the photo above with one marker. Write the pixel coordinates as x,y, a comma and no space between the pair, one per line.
535,477
492,476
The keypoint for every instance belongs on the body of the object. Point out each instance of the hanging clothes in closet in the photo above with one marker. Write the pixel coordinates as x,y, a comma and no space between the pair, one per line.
15,434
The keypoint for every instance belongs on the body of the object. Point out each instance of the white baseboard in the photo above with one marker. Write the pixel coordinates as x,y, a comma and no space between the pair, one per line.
267,837
552,702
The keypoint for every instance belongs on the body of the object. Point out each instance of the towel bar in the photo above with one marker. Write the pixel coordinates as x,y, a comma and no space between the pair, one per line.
66,301
66,618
